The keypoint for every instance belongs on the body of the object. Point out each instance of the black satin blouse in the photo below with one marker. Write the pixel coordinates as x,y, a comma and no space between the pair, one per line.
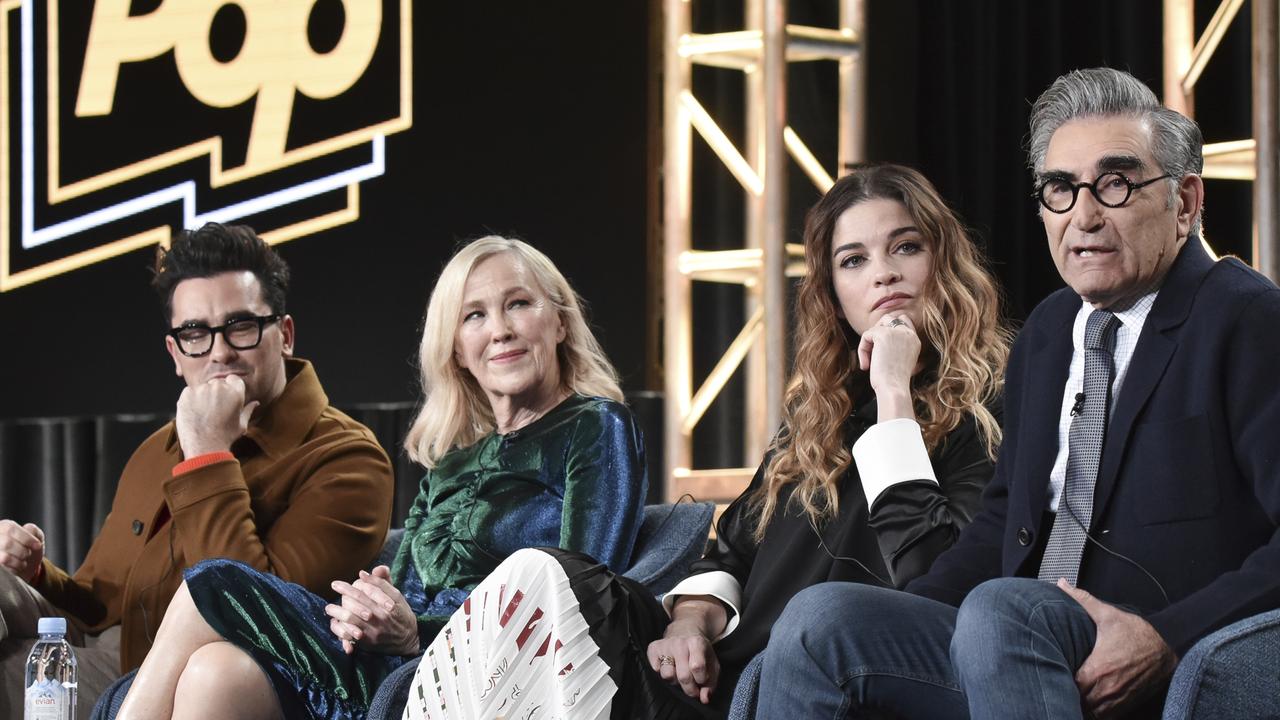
912,523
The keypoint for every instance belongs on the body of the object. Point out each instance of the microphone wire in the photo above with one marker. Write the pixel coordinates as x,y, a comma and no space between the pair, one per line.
1089,536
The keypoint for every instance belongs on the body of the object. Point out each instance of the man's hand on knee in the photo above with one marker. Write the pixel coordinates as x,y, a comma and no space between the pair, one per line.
1128,661
21,548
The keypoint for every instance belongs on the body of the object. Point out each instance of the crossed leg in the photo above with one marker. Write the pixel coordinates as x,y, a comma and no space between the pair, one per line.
192,672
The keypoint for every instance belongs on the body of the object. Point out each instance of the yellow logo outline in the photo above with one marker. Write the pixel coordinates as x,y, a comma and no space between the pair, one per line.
212,147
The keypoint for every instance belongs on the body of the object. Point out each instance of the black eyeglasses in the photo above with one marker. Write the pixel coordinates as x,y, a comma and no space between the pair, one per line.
196,340
1112,189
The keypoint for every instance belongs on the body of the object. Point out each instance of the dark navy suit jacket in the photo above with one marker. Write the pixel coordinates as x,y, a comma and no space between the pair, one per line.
1189,485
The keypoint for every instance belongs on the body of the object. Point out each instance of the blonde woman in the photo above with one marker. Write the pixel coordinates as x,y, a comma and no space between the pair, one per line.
526,442
887,443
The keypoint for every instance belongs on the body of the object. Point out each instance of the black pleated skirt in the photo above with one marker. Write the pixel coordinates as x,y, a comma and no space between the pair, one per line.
550,634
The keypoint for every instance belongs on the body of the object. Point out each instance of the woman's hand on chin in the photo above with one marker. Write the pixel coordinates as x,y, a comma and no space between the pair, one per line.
889,352
373,615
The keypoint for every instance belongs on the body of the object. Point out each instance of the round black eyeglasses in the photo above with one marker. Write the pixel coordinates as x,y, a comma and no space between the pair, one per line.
1111,189
195,340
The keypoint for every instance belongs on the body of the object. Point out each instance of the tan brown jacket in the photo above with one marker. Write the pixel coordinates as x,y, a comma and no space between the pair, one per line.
308,498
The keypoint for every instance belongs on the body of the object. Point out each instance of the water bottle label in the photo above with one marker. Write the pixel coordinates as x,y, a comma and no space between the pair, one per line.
47,700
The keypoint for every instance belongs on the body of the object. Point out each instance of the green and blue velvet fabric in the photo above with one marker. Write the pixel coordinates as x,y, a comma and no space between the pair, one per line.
573,479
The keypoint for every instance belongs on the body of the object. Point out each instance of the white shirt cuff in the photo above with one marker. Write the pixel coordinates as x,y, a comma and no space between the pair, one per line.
718,584
889,453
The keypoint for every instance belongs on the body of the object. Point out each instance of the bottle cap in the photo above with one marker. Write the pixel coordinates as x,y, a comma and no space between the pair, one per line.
52,625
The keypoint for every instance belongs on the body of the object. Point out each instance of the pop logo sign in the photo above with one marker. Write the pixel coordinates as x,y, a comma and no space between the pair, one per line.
122,119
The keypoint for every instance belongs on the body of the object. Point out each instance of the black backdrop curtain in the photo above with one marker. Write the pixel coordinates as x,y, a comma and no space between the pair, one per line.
61,473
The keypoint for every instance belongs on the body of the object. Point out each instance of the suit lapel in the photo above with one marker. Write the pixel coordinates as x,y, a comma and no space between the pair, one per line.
1151,358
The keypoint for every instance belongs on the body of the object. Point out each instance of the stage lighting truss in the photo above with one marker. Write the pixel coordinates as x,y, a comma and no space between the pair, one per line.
1258,158
762,52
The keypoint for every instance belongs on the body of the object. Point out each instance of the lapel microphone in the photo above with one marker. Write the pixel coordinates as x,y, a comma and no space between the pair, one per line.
1078,407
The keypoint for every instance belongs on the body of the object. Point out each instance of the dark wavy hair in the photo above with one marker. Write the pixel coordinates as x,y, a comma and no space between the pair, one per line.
214,249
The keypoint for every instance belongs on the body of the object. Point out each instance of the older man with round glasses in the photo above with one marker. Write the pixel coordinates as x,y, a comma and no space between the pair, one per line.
1135,504
1058,194
256,466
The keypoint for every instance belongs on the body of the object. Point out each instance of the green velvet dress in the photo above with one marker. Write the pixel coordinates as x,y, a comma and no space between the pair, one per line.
573,479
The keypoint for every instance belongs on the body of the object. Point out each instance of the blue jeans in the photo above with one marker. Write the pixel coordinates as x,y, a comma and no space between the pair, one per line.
1010,651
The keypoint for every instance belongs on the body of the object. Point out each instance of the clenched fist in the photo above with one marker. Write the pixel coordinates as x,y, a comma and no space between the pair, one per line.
21,548
212,415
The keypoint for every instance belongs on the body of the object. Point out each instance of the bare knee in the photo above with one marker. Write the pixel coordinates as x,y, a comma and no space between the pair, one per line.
215,663
184,628
221,680
181,602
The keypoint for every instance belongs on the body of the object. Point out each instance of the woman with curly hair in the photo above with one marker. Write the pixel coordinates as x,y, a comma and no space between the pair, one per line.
886,445
887,438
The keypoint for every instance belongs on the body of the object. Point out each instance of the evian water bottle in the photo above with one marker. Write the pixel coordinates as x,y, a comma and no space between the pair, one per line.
51,675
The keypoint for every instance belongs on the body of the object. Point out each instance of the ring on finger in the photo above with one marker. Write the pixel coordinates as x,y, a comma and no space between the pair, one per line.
897,322
666,660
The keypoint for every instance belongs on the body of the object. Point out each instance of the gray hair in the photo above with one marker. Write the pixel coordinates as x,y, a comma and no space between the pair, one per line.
1176,142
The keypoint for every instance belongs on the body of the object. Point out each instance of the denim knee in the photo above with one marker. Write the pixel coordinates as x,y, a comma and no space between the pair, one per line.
817,611
1001,596
989,608
998,613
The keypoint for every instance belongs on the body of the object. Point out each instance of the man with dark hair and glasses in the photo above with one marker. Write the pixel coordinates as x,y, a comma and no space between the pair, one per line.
1135,504
224,296
256,466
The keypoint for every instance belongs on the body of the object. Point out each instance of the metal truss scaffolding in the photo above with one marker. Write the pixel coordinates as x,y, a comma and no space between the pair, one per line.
1258,158
762,52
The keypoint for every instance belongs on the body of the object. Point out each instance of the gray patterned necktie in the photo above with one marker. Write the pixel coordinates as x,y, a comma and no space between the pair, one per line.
1084,451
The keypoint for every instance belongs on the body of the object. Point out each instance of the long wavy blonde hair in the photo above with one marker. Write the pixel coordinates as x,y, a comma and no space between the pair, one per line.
964,337
455,411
